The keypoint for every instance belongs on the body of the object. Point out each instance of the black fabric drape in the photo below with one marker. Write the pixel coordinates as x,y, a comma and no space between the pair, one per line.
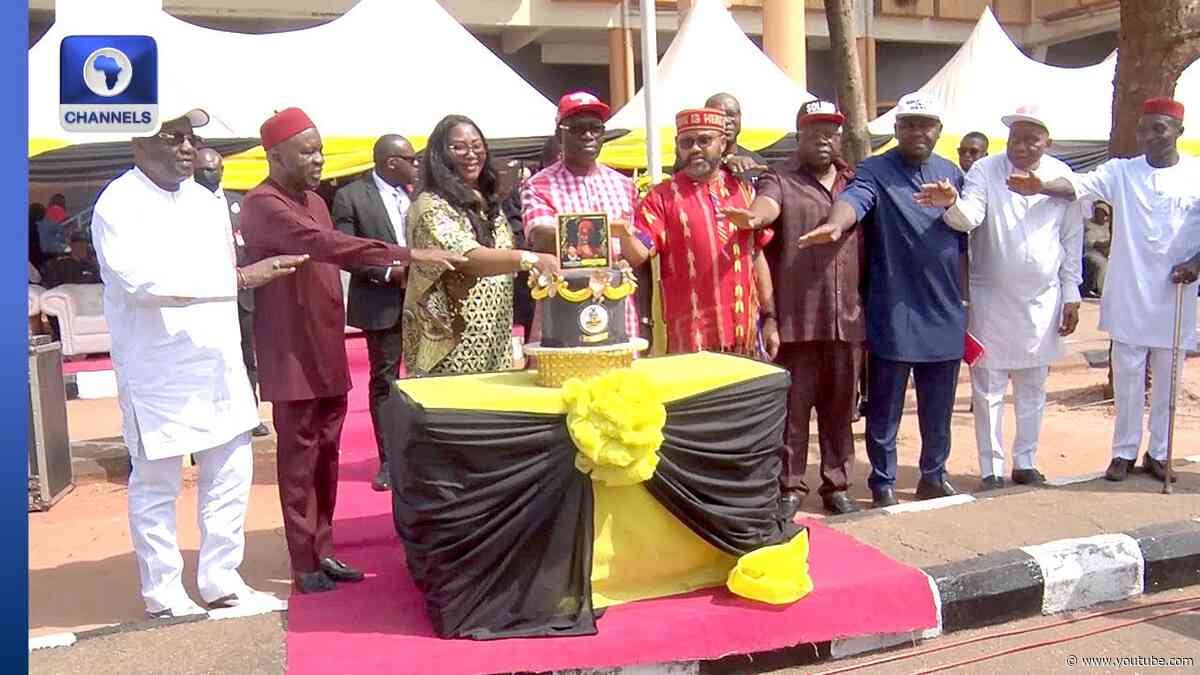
1080,155
97,162
718,467
496,521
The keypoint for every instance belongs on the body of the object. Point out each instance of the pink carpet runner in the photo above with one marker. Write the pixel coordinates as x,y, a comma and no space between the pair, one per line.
380,625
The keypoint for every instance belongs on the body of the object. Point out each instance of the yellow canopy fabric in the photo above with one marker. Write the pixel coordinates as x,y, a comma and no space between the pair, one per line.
344,156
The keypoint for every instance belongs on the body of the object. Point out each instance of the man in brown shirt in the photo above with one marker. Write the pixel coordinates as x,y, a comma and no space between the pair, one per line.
300,325
818,302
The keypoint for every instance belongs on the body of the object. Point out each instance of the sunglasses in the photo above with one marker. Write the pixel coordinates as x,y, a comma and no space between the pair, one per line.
596,129
698,141
178,137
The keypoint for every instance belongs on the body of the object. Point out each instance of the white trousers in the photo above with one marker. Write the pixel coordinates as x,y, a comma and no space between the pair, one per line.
988,387
224,492
1129,391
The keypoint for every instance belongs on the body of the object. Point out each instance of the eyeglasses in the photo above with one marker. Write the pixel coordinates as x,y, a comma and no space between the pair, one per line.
699,141
462,149
596,129
178,137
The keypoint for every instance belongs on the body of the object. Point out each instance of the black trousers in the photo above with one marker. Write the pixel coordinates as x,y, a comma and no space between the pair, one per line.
246,323
384,350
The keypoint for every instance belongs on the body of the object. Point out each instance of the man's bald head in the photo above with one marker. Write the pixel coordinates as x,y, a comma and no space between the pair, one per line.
395,160
728,104
209,168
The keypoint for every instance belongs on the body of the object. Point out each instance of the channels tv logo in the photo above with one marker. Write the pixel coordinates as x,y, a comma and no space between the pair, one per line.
108,83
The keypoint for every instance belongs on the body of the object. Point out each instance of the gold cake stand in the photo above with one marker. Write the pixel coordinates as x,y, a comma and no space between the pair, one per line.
556,365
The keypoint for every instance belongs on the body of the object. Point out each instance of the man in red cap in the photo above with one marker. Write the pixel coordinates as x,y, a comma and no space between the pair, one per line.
301,349
715,282
577,183
1155,241
820,313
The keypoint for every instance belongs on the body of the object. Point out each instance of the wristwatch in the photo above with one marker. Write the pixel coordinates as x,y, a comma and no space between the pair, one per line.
528,260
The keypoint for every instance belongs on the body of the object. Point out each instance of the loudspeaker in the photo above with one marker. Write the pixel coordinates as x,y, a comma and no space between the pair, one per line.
50,471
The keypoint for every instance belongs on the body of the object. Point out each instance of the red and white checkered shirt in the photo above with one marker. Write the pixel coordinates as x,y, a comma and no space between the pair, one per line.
556,190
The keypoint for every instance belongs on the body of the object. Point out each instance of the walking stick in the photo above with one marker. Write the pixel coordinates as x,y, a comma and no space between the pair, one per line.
1174,386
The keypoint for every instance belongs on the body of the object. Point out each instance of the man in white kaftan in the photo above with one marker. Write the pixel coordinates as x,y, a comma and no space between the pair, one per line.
1026,259
176,351
1156,227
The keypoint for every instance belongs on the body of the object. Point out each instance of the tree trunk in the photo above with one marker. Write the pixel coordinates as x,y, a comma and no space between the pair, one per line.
1157,41
856,140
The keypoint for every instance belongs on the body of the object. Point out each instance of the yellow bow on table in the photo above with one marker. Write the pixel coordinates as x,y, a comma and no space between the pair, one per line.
616,420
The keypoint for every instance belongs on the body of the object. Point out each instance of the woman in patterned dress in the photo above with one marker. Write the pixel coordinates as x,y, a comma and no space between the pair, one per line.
461,322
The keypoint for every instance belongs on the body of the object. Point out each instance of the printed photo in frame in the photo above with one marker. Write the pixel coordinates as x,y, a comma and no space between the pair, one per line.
583,240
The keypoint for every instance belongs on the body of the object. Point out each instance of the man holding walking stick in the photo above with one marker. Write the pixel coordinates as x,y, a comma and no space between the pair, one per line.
1156,237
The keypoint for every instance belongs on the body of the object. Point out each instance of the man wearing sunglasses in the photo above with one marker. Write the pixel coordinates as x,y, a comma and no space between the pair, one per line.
375,207
577,183
715,283
177,351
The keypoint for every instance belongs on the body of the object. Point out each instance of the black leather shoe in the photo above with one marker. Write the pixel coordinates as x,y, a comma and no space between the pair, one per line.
789,504
838,503
1118,469
992,483
339,571
1159,469
382,482
1028,477
884,496
314,582
927,490
260,431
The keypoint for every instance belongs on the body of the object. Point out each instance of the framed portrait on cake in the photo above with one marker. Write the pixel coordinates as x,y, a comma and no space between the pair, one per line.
583,240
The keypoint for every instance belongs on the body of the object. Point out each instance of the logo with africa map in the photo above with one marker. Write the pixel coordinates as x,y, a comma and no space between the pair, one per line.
108,83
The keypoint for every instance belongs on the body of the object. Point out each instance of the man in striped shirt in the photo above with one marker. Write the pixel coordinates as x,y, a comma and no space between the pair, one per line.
577,184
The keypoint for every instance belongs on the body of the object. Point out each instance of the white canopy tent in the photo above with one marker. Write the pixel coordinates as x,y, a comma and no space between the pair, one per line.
710,54
989,77
382,67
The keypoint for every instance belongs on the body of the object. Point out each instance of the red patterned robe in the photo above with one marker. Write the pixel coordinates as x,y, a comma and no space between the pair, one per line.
709,294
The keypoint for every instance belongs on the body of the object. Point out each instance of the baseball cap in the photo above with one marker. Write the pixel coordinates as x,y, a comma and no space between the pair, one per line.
1026,113
819,111
197,117
918,105
580,102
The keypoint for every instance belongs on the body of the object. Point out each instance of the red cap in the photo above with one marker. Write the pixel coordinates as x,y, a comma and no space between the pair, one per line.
1163,106
707,119
580,102
819,111
282,126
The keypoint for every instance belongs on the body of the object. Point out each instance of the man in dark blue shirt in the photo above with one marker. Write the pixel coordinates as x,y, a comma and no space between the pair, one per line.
916,318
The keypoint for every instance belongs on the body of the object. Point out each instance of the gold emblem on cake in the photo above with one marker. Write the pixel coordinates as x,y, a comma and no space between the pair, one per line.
593,321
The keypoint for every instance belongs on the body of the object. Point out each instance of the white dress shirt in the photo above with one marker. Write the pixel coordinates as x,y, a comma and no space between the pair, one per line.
1026,262
1156,225
170,300
396,201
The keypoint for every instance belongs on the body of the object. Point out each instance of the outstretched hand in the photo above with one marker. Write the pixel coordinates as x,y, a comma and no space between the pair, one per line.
825,234
1185,273
269,269
1024,184
740,164
941,194
743,219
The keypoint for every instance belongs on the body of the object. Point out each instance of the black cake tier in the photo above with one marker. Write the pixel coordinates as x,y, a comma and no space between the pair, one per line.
587,322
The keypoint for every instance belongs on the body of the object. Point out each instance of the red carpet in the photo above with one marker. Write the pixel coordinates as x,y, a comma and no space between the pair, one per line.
92,363
380,625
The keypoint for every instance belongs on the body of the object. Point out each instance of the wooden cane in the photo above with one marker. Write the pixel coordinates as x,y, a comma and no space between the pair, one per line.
1174,385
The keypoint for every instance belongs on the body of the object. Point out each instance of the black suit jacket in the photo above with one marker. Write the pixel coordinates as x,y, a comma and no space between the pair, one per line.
245,295
372,303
